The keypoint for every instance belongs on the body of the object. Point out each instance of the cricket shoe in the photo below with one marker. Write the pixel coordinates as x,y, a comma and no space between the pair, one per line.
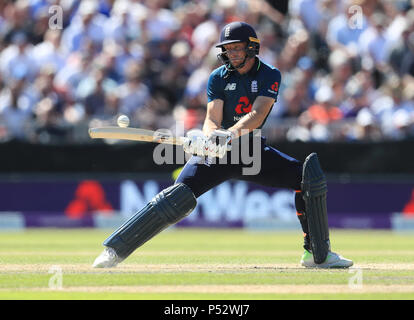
107,259
333,260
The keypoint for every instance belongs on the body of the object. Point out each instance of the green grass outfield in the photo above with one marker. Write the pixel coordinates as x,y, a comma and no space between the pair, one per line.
182,264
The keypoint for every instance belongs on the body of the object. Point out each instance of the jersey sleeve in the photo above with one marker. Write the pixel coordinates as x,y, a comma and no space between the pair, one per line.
270,84
214,87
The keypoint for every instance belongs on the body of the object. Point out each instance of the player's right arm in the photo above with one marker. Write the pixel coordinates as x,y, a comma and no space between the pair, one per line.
202,145
214,116
206,146
215,103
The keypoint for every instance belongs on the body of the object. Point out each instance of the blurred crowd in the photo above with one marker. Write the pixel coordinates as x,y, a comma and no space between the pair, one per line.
66,65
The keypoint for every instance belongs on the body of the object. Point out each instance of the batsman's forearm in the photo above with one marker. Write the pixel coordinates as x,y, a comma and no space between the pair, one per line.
209,126
247,124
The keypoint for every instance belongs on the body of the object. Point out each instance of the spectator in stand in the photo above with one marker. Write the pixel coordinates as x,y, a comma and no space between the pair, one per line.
76,69
121,25
88,24
401,55
14,112
357,99
92,91
16,60
395,114
295,97
191,110
309,12
324,112
18,21
373,42
366,127
296,47
49,127
133,94
160,22
49,51
345,29
44,87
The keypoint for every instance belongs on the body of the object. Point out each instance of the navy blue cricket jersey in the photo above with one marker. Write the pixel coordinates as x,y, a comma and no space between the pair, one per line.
239,91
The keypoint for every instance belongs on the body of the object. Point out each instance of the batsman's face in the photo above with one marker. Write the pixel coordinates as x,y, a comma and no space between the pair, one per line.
236,52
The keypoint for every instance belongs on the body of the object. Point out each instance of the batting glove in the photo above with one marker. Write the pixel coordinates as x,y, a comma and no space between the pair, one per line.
196,143
219,143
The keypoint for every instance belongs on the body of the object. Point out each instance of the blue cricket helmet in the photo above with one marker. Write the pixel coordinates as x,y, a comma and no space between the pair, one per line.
238,32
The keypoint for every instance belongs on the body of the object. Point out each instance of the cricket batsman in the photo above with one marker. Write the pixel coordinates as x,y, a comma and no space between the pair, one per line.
241,94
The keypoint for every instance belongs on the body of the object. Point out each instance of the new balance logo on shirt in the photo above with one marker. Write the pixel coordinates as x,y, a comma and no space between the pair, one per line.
230,86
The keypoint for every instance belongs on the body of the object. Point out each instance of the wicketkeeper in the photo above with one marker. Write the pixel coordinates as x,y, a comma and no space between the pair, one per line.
241,94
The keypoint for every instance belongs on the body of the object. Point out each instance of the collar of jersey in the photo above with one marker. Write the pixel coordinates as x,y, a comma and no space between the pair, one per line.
255,67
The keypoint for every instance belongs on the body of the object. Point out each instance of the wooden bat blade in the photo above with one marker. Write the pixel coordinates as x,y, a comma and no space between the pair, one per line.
135,134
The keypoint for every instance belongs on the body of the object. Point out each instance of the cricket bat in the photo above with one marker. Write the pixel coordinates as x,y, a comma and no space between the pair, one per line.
135,134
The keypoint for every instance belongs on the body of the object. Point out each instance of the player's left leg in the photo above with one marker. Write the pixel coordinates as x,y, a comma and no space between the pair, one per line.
314,192
282,171
279,170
